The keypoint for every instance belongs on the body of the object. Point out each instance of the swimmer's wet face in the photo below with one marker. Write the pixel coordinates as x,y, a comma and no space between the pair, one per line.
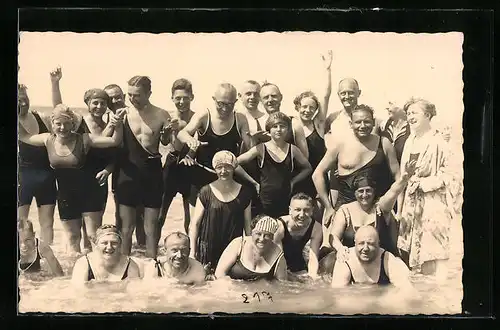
224,171
97,107
301,211
271,98
367,244
182,99
307,109
116,97
109,246
365,195
262,239
362,123
177,251
250,95
23,102
348,93
62,126
138,96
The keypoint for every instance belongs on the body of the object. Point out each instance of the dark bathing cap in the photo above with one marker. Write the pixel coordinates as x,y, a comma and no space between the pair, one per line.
95,93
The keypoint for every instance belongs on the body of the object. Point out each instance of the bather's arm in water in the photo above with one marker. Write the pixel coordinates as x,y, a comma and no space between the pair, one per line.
398,273
80,272
337,231
316,241
281,273
47,253
341,276
228,258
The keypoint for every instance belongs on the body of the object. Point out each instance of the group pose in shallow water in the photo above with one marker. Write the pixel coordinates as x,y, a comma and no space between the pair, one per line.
265,195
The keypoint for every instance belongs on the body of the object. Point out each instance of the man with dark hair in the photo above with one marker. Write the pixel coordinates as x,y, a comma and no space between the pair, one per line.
176,263
140,181
117,101
295,231
176,174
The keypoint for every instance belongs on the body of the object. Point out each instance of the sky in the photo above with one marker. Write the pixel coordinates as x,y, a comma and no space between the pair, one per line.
388,66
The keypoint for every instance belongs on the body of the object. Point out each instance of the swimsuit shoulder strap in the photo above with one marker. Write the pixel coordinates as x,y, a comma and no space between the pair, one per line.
125,273
276,262
383,278
347,217
350,271
90,275
235,123
208,126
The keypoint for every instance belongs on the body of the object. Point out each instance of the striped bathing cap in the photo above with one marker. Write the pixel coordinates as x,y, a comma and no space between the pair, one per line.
266,224
224,157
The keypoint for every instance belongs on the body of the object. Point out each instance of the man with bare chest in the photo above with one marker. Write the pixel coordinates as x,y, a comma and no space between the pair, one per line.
140,178
219,128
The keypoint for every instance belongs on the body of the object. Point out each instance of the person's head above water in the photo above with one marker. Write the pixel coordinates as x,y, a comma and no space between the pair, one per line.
307,104
271,97
108,240
139,91
182,94
364,190
116,97
26,236
225,97
97,101
249,94
263,229
177,248
301,208
366,244
362,121
349,92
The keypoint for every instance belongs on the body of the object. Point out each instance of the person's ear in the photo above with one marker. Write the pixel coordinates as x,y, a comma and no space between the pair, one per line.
359,92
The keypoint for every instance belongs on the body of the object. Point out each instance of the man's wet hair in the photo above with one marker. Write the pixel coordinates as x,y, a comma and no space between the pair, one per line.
302,96
141,81
363,107
25,225
267,83
179,235
113,86
351,79
182,84
278,117
302,197
428,107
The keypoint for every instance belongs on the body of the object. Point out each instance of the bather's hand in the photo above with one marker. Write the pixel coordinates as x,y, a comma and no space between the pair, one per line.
102,177
56,75
257,187
188,161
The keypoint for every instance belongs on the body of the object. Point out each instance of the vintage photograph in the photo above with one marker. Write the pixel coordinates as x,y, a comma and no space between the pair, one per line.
295,172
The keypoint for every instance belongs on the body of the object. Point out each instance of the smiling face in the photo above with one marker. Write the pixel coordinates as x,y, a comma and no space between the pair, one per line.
177,251
366,244
138,96
301,211
62,126
26,242
362,123
182,100
417,117
348,94
97,107
262,239
116,98
224,100
250,96
307,109
224,172
109,246
365,196
271,98
23,103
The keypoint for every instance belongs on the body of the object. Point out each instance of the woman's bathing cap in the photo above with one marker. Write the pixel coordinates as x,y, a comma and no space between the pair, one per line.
224,157
95,93
106,230
266,224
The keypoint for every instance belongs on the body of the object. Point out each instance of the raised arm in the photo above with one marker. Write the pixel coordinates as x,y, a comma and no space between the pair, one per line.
194,226
99,141
305,167
337,232
386,202
316,241
325,98
228,258
55,77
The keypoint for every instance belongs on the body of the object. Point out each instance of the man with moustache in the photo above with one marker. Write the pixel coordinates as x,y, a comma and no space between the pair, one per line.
295,231
175,172
117,101
140,181
176,264
369,264
218,128
271,98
